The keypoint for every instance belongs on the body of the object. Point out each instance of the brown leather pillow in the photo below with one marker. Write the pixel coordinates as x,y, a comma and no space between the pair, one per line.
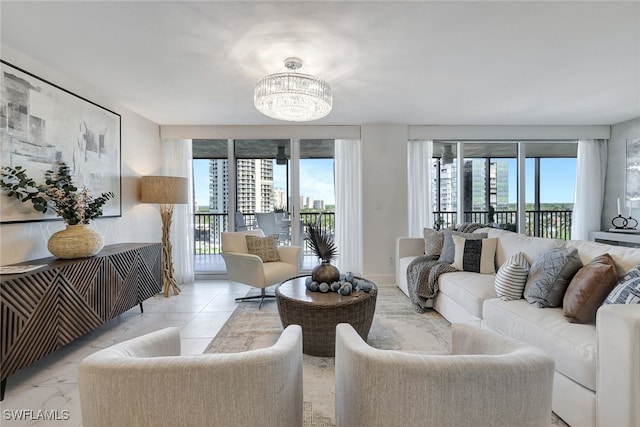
588,289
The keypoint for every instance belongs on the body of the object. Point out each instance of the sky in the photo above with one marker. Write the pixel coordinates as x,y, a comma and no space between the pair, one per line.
316,180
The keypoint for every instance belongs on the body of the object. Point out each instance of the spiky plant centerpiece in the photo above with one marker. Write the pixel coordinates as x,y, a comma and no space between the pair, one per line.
325,248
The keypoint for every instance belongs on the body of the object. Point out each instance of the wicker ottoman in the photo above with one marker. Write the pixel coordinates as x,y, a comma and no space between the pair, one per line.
318,314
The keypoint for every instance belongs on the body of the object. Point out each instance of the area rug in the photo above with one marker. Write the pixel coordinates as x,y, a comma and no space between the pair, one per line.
396,326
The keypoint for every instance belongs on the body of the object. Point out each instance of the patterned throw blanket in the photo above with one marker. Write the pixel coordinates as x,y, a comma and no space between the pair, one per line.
423,273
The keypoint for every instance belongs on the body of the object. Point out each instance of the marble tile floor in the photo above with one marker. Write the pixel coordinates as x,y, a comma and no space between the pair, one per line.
49,389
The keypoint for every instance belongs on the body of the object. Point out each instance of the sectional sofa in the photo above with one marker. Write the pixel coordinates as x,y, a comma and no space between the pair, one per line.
597,378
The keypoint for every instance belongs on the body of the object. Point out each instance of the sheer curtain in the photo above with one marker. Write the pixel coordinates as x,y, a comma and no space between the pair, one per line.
348,187
420,209
589,194
178,161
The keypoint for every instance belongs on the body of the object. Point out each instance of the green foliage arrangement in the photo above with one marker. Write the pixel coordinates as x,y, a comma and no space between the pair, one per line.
321,243
57,193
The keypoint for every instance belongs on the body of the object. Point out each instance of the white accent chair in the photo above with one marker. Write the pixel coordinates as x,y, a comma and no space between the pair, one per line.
249,269
145,382
487,380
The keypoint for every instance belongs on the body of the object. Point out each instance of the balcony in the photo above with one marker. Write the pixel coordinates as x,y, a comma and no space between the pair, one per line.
208,226
549,224
208,244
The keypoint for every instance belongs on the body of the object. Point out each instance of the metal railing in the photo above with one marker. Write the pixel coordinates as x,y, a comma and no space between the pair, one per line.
209,226
549,224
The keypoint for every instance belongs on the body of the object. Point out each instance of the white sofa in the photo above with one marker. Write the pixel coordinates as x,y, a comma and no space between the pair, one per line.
597,379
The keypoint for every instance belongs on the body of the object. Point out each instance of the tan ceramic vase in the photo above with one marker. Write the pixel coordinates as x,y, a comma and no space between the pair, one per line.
76,241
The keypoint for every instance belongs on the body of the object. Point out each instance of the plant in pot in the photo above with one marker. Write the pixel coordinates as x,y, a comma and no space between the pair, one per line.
323,246
58,193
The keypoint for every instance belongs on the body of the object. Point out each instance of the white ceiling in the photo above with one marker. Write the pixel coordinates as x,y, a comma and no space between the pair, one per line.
419,62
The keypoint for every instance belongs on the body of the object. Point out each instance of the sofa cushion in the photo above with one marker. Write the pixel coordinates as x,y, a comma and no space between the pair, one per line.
512,276
624,257
469,290
433,240
474,255
550,275
572,345
510,243
627,290
588,289
448,248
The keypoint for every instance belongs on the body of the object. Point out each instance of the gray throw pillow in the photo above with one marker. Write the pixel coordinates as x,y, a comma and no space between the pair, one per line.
449,249
550,275
433,241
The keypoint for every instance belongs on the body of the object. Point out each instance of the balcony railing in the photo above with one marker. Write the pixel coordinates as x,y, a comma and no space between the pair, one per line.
549,224
209,226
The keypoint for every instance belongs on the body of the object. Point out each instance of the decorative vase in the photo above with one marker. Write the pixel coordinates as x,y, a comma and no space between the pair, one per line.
325,272
76,241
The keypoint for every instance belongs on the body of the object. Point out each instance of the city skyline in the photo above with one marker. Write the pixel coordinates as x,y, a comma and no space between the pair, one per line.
557,180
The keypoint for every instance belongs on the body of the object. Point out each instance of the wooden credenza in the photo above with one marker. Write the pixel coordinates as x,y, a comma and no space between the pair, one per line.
45,309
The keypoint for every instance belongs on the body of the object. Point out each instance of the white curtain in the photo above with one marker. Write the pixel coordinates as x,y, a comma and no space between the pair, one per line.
420,211
589,194
348,187
178,161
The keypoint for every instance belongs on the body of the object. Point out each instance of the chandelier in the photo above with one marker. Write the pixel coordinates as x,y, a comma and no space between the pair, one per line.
293,96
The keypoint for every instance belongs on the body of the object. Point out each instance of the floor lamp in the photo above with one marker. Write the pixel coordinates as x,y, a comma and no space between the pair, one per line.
167,191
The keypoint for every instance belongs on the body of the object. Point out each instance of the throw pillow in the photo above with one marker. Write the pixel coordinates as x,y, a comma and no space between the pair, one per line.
627,290
550,275
512,276
449,249
588,288
475,255
433,241
265,247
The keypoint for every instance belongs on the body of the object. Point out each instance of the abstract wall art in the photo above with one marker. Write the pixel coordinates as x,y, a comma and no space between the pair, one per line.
42,124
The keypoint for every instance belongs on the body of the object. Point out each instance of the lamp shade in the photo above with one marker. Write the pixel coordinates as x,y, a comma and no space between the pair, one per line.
164,189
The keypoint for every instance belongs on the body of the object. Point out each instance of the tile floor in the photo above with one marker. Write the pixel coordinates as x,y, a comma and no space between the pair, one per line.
49,388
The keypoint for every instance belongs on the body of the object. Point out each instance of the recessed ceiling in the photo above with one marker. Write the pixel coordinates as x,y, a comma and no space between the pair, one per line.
418,62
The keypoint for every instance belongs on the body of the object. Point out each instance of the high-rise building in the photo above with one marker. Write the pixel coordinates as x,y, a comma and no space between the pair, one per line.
485,183
254,182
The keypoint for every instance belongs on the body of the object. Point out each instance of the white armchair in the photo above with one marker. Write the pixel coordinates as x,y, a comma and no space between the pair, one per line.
487,380
144,382
249,269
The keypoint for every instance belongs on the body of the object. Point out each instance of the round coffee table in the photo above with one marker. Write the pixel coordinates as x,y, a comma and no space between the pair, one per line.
318,314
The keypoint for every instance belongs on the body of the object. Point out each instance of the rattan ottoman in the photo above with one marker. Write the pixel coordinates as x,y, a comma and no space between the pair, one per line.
318,314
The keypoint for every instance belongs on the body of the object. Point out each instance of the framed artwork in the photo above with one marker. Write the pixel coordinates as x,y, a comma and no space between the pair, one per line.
42,124
633,173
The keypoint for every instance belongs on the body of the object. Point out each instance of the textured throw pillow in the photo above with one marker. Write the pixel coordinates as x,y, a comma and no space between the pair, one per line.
433,241
627,291
512,276
449,249
588,288
550,275
475,255
265,247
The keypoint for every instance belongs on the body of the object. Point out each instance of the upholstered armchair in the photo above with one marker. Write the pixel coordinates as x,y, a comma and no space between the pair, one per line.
145,382
250,269
487,380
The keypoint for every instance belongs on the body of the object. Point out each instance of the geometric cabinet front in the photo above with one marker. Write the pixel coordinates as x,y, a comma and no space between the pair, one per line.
43,310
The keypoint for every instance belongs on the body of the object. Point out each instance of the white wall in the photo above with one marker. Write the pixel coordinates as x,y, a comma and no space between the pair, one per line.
616,166
141,155
384,197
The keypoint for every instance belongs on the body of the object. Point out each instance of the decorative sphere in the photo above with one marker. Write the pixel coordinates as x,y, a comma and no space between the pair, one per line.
335,286
313,286
324,287
366,286
345,289
348,276
308,281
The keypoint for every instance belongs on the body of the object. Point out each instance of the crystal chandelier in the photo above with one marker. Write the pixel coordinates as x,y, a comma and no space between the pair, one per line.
293,96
